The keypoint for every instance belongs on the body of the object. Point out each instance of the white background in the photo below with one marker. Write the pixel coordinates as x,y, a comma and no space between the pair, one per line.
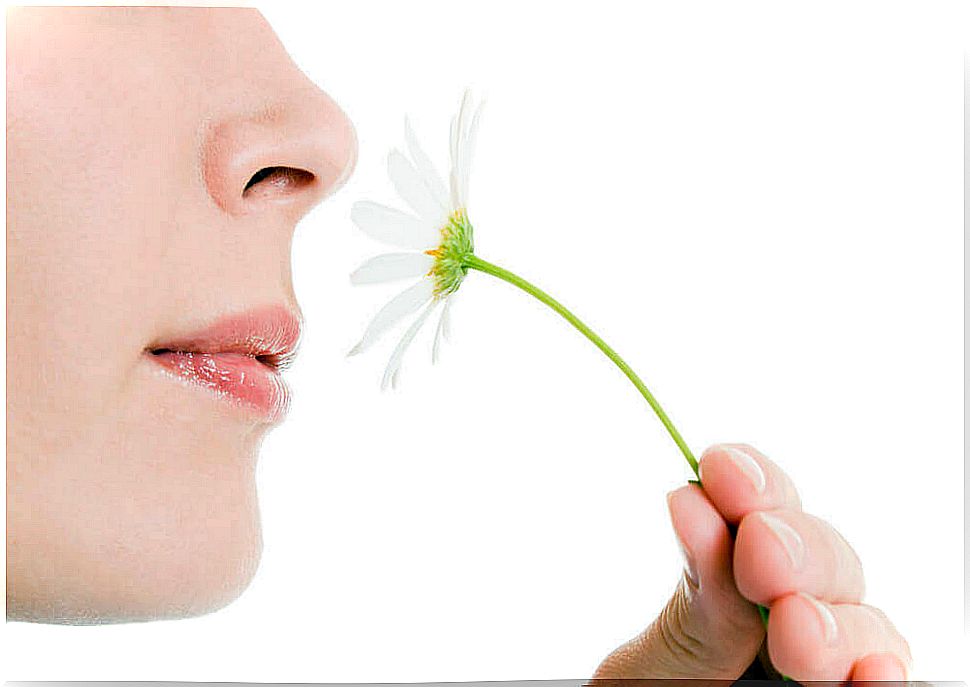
758,204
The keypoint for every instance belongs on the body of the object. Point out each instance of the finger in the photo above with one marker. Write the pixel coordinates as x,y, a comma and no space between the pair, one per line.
809,639
707,547
707,630
879,667
780,552
738,479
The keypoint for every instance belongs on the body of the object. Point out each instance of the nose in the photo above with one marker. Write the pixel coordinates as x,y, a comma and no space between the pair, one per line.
285,155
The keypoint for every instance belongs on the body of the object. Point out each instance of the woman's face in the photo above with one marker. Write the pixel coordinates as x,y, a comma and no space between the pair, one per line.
148,265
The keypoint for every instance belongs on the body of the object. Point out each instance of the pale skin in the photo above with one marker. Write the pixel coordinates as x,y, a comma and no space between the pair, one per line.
132,135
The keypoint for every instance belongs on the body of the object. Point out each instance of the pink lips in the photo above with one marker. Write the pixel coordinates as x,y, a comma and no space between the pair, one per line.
238,357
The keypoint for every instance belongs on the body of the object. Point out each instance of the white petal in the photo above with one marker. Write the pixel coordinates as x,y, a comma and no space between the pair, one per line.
463,114
390,373
411,187
467,153
453,140
442,325
424,166
395,310
457,135
391,266
397,228
446,317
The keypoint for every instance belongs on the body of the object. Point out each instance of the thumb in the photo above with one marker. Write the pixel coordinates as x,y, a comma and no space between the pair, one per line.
707,629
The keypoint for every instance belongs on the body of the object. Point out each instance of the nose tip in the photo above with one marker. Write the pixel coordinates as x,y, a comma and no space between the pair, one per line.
287,155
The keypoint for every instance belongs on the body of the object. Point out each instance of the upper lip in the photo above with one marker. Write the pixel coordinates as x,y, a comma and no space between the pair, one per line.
270,334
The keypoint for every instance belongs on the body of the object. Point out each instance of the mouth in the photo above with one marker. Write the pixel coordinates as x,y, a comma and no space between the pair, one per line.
238,358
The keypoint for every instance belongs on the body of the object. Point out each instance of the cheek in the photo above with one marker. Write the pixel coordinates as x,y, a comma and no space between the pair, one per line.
82,234
121,503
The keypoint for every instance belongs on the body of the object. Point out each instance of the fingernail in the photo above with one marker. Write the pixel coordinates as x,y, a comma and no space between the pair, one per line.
787,536
749,467
830,629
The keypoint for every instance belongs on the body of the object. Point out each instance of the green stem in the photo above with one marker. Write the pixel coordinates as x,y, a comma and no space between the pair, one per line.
476,263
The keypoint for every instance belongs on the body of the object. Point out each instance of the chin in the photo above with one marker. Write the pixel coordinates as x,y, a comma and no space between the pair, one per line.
172,547
130,593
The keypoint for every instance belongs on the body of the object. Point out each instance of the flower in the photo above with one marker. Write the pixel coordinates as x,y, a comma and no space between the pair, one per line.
439,233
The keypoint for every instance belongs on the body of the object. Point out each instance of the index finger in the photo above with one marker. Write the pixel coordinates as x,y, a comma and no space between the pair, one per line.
739,479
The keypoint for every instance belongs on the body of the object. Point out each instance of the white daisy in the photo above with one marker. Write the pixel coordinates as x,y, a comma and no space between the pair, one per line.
438,232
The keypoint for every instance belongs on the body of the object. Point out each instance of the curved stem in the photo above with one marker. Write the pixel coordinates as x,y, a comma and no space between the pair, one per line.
476,263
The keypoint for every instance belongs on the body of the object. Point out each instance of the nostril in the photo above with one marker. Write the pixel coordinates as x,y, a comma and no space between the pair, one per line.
277,181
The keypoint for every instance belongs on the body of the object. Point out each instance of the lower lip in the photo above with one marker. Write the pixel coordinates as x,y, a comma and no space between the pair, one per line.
233,376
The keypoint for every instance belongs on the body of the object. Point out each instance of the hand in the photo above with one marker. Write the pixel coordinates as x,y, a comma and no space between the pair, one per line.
782,558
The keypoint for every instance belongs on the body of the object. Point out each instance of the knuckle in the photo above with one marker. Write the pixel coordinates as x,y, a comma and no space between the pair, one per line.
672,631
